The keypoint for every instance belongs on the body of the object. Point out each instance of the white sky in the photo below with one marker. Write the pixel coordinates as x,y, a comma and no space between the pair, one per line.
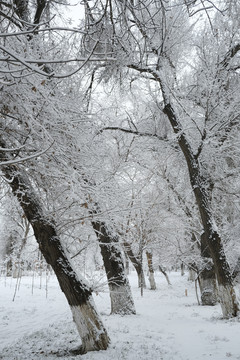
75,11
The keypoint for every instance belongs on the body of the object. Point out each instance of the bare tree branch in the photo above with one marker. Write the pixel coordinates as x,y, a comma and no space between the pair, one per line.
134,132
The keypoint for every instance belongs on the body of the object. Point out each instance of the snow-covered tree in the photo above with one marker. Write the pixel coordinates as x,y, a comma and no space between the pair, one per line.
32,121
196,86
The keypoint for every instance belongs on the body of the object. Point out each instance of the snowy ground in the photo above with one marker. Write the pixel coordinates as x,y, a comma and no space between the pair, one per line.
168,326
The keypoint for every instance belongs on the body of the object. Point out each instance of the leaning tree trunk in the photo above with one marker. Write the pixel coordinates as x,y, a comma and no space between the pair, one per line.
165,274
151,271
207,278
120,291
200,185
77,292
136,263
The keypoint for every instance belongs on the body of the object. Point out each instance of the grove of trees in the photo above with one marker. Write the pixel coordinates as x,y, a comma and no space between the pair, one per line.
120,137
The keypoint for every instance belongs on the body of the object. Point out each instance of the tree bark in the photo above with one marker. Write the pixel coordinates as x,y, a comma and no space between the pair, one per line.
182,269
236,271
78,294
127,269
207,277
119,287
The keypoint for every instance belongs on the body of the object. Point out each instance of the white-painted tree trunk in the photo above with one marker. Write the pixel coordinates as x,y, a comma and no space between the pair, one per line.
89,325
121,300
228,300
150,270
152,281
119,287
208,290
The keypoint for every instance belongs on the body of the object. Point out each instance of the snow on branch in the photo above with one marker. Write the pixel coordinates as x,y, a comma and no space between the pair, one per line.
55,61
36,29
29,63
16,161
11,150
23,62
134,132
230,54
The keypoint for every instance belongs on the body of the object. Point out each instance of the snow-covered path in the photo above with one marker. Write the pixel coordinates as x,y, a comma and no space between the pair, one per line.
169,325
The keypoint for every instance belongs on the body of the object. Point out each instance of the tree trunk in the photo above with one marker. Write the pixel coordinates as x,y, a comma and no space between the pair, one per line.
207,277
201,185
236,271
165,274
141,278
192,271
127,264
137,265
120,291
182,269
78,294
151,271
